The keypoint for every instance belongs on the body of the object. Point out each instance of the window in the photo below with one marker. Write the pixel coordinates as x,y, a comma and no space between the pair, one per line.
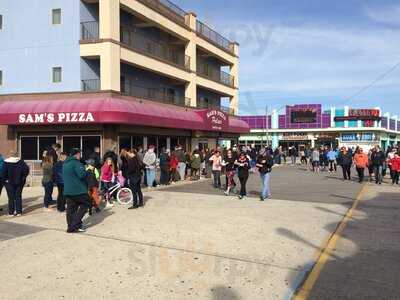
85,143
57,74
1,77
32,147
56,16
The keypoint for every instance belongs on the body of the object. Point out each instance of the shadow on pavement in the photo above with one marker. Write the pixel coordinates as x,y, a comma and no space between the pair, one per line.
10,230
365,263
224,293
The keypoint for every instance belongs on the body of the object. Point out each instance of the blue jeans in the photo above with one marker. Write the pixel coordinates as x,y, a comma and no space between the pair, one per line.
266,190
182,170
48,193
150,176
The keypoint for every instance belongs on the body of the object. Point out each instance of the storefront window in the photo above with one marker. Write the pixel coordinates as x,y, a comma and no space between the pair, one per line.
70,142
137,142
32,148
88,145
125,142
162,143
174,142
152,140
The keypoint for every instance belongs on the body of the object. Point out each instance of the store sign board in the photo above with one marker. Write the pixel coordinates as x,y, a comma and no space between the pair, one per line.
366,115
215,120
303,115
364,112
290,136
354,137
56,118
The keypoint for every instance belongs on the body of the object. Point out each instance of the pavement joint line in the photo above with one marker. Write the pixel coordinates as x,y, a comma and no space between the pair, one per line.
176,249
324,253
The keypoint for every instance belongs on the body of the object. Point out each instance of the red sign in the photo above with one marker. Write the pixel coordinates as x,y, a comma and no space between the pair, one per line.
215,120
364,113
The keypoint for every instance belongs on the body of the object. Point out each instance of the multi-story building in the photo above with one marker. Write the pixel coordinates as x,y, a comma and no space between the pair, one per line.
308,125
106,73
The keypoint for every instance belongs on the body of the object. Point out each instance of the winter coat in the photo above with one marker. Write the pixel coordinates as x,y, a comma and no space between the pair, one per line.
361,160
173,162
15,171
195,163
395,163
267,162
135,168
346,159
92,177
106,173
47,173
57,172
378,158
74,175
150,160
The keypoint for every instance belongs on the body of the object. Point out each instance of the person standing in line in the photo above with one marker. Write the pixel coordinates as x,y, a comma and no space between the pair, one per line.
150,163
195,165
15,171
59,181
229,163
134,176
92,181
243,165
315,160
378,159
346,160
106,177
207,163
264,165
174,174
95,155
216,160
361,162
164,167
75,191
53,152
180,155
1,175
332,156
395,168
47,181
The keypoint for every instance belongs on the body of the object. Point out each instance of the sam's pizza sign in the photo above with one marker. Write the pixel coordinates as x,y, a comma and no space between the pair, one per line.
217,120
56,118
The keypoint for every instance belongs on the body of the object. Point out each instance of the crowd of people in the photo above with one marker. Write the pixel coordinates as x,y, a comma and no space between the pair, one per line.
84,184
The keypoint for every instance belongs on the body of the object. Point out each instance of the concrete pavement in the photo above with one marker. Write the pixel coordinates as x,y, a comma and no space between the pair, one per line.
189,242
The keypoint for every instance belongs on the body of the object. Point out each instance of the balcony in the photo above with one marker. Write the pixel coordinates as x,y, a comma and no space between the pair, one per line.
136,40
225,109
90,85
90,31
214,37
215,75
167,9
153,94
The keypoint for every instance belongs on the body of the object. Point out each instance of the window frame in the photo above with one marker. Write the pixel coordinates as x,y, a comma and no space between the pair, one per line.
53,14
1,22
1,78
53,77
37,144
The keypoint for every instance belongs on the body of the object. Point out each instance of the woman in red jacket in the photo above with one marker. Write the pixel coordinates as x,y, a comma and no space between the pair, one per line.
395,163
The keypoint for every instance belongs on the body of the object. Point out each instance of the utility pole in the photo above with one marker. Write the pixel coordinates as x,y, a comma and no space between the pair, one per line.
266,125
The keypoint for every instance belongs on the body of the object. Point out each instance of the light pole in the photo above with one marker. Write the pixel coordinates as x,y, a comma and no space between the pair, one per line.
266,125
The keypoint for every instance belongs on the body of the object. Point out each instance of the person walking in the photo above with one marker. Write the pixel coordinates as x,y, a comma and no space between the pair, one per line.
361,162
315,160
395,168
264,165
377,160
150,163
332,156
59,181
75,191
243,166
346,160
1,175
134,176
15,171
293,154
216,160
47,181
229,163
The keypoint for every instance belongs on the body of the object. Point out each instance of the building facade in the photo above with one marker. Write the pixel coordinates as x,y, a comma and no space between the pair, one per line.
106,73
310,126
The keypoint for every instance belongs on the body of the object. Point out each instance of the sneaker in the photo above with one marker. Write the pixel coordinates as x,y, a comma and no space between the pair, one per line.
18,215
133,207
240,197
109,205
226,193
80,230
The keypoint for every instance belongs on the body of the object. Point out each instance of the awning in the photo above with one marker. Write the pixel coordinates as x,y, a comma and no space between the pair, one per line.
114,110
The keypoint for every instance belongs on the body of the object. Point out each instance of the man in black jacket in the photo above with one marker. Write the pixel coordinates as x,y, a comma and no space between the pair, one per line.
15,171
345,161
264,165
378,159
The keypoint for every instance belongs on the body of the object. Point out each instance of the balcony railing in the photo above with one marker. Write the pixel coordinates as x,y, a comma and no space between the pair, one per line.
225,109
89,85
90,31
167,8
215,74
153,94
133,38
214,37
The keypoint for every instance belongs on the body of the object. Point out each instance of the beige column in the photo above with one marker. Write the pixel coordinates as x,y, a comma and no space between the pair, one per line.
190,50
234,71
109,19
110,67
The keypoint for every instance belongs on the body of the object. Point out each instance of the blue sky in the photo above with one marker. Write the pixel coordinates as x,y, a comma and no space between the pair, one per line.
299,51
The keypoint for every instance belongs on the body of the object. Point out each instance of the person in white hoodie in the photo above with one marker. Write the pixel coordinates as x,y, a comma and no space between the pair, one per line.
150,163
15,171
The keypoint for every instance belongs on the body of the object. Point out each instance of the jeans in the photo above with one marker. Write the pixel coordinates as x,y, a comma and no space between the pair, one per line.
182,170
360,172
134,186
395,177
266,190
77,206
346,172
243,181
14,193
294,159
48,193
60,197
217,178
378,174
164,176
151,176
332,165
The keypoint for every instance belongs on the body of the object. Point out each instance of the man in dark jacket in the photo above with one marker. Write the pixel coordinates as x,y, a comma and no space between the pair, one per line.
15,171
264,164
75,191
378,159
1,175
345,160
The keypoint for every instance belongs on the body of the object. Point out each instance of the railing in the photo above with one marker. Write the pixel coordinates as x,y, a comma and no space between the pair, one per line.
225,109
228,110
215,74
153,94
214,37
89,30
90,85
133,38
167,9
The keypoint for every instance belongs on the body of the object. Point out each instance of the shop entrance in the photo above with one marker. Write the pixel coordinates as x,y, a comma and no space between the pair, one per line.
299,145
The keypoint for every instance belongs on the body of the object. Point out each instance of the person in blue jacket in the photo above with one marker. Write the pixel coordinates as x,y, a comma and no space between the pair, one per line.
59,181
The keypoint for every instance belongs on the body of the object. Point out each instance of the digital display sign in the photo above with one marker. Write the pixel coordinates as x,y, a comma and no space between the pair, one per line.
303,115
366,115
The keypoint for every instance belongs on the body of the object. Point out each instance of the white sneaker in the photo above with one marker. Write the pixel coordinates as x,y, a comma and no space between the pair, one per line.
108,205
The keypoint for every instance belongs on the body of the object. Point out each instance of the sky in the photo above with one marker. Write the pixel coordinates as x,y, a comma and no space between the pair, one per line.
301,52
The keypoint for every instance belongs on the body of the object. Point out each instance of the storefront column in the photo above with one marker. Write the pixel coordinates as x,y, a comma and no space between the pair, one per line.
8,139
313,142
275,141
190,50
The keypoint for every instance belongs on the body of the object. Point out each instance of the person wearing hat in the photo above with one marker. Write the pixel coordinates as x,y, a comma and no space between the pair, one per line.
15,171
75,191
